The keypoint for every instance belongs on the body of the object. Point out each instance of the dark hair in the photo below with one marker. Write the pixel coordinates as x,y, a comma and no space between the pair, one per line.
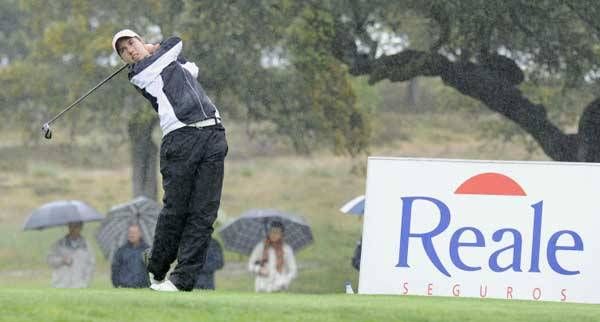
276,224
117,48
75,223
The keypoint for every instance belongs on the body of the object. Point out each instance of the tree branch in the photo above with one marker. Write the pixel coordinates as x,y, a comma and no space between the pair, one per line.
503,97
481,82
406,65
589,133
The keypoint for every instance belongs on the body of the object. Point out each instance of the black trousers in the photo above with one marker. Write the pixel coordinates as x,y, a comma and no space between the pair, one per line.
192,167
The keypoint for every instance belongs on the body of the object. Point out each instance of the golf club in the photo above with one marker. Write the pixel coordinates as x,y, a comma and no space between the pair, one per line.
46,127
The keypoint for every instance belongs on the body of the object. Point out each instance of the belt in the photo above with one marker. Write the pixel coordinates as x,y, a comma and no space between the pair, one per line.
207,122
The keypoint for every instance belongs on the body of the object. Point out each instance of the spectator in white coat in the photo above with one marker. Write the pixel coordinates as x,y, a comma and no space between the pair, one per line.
273,262
72,260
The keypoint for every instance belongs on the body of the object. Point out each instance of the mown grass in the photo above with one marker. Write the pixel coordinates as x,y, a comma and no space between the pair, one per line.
43,304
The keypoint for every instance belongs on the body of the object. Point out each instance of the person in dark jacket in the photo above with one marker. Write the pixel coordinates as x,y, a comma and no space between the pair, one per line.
357,254
128,269
192,156
214,262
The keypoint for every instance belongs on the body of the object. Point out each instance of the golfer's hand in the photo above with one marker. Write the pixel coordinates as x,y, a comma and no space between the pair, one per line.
151,48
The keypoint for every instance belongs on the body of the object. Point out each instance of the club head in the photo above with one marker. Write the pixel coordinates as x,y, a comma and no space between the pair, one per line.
46,131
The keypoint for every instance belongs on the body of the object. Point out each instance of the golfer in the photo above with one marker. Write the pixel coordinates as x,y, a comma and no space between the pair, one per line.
192,154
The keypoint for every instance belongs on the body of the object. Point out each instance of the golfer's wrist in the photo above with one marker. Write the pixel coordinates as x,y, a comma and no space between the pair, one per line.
152,48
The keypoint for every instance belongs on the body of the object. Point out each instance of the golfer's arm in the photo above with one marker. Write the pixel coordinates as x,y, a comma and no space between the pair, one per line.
148,69
152,48
188,65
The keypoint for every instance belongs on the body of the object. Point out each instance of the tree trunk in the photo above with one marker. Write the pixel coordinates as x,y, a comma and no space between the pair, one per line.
144,157
412,93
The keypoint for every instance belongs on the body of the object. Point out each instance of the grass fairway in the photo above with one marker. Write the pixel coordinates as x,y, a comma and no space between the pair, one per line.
145,305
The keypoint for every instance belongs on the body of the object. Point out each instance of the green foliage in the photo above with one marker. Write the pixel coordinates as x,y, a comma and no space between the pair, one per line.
564,104
326,84
271,61
554,36
262,65
68,52
12,40
447,99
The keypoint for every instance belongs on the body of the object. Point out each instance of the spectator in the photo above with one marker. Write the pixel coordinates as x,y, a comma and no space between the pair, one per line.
214,261
357,254
273,262
72,260
128,269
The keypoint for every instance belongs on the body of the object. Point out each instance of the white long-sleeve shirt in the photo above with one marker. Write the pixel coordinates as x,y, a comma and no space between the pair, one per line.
274,280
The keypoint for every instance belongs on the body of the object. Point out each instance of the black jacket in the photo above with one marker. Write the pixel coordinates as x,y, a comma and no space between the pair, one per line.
127,269
169,82
214,261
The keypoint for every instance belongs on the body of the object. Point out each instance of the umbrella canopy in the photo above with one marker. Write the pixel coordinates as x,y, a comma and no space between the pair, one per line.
59,213
112,234
355,206
243,233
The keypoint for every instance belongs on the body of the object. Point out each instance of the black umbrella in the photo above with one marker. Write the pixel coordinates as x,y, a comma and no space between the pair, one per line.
112,234
61,212
243,233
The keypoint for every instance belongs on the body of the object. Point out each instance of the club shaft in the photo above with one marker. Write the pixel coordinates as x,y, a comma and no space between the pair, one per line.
86,94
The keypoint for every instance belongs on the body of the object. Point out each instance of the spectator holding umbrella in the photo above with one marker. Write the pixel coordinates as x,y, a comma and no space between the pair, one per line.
72,260
113,233
128,269
70,257
214,262
272,261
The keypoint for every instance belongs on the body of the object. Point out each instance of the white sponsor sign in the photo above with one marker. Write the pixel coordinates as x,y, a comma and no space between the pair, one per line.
510,230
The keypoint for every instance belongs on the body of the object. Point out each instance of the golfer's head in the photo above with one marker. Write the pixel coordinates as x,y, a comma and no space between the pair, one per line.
129,46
